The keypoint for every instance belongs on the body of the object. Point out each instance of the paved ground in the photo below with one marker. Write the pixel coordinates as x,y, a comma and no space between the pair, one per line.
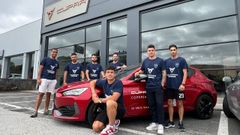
16,107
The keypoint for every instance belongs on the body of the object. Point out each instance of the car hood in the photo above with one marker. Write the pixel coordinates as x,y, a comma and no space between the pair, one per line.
74,85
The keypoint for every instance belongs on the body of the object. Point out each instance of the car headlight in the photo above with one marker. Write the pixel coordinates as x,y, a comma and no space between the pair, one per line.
74,92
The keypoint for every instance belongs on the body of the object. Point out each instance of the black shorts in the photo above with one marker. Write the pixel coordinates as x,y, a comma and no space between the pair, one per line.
175,94
102,115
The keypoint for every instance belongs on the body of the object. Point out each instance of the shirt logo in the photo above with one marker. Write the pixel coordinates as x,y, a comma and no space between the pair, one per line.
172,69
52,67
74,71
94,71
150,70
155,65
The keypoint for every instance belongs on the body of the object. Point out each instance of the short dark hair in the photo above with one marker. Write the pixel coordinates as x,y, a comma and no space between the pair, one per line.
172,45
110,68
115,53
151,46
94,55
54,49
73,54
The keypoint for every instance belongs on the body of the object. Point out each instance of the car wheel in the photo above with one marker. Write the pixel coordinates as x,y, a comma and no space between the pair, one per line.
204,107
92,112
226,108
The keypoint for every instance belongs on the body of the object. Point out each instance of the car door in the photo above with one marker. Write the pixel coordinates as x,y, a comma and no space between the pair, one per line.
135,99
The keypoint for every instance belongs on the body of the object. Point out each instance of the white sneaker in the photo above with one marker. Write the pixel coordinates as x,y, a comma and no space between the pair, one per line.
152,126
160,129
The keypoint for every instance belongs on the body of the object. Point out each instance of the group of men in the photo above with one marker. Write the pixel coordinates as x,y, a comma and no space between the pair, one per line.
170,74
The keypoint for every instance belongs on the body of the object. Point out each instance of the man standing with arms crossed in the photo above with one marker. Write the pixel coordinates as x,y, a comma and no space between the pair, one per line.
154,67
46,80
94,70
73,71
176,68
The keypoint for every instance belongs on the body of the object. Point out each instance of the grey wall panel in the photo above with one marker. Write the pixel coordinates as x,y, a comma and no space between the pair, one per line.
21,40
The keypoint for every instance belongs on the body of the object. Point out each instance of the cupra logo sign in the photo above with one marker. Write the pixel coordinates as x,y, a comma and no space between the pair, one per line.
50,14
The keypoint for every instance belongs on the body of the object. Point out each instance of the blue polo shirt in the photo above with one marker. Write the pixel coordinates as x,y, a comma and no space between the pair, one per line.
153,69
50,67
94,70
174,69
108,89
74,72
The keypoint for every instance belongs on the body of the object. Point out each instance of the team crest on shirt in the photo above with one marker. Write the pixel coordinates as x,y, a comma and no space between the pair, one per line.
52,67
177,65
75,71
94,71
172,69
155,65
150,70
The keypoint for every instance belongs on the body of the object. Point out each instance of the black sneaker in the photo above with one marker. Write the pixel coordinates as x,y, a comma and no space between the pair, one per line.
180,126
46,113
34,115
170,124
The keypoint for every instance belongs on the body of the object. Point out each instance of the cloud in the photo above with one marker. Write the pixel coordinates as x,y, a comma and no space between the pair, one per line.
15,13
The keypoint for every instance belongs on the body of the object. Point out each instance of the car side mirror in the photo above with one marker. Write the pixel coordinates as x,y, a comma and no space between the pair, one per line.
227,79
140,77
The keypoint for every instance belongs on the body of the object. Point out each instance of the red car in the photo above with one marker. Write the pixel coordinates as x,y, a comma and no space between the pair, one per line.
73,102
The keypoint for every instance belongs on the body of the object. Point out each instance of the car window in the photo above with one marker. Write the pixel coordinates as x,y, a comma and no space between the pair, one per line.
126,72
190,72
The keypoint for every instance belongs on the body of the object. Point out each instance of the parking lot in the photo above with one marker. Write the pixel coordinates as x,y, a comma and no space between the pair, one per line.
16,107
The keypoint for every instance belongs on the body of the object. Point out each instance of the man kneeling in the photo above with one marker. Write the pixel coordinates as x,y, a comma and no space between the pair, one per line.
112,103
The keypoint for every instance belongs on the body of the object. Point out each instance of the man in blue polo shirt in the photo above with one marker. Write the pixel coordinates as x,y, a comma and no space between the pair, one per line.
116,63
176,68
112,103
73,71
154,67
46,80
94,70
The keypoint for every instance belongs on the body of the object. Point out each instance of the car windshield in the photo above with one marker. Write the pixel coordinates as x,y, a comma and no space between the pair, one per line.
127,71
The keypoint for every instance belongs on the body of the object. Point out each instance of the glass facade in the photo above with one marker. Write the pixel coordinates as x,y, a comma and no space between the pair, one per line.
15,70
205,30
117,39
84,42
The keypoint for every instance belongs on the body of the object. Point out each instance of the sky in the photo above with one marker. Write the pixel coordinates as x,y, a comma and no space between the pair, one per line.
16,13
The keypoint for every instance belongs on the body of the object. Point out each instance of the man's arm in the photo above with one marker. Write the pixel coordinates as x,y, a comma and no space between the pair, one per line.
139,72
87,75
65,77
82,75
182,86
114,97
39,74
164,78
102,73
95,97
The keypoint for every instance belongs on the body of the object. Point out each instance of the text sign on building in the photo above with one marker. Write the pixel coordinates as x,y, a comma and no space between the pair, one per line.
64,9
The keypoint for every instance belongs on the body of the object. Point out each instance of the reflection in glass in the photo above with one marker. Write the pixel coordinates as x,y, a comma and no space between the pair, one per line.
187,12
93,33
80,50
67,39
93,48
0,67
118,45
31,65
118,28
219,30
15,65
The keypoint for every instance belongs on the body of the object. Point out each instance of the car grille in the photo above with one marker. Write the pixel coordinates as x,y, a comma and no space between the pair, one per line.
67,110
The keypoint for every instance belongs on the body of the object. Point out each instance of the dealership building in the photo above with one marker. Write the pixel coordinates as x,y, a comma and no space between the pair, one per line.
206,32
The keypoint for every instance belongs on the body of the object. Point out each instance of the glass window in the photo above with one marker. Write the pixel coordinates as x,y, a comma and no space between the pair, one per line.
31,65
93,33
118,45
118,28
67,39
187,12
219,30
0,67
93,48
15,70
